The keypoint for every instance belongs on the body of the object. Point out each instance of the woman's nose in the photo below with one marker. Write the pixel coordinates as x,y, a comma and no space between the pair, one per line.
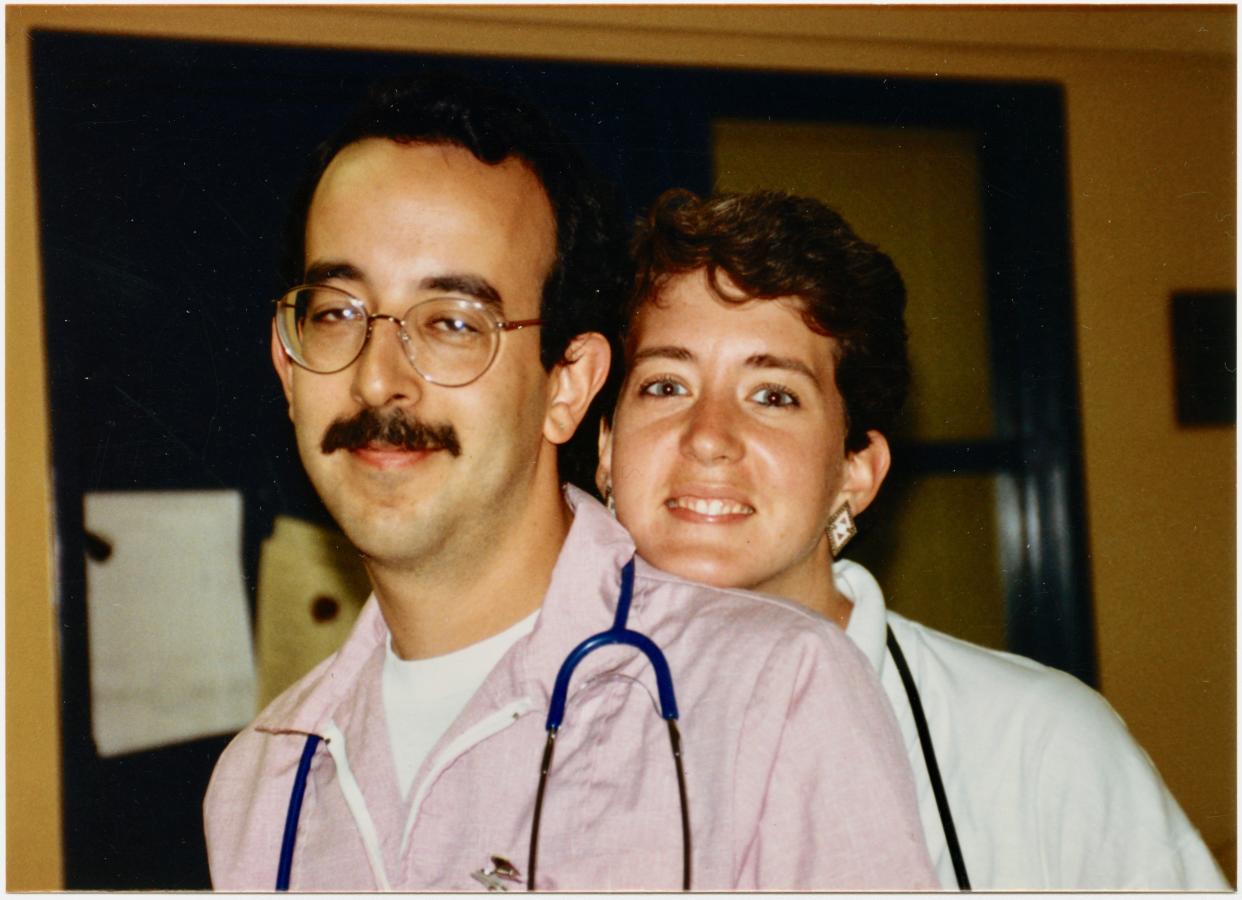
712,434
383,372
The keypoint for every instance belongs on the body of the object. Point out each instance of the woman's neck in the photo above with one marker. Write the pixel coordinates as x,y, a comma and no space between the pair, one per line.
809,583
831,604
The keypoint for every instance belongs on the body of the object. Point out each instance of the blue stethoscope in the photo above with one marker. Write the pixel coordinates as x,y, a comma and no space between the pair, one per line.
617,634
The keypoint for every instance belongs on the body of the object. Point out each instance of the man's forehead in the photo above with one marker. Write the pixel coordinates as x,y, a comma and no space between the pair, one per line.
399,158
434,216
433,172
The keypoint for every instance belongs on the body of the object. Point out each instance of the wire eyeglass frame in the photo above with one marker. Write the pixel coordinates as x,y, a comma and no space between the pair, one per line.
286,309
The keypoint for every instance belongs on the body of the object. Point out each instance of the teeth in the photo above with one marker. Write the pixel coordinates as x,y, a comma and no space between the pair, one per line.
709,507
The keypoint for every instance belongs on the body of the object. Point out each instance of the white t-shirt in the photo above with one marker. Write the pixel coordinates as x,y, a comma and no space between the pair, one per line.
422,697
1047,788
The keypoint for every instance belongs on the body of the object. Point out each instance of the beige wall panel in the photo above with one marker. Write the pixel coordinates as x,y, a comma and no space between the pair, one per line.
1150,103
32,669
312,585
948,578
1043,44
915,194
1153,192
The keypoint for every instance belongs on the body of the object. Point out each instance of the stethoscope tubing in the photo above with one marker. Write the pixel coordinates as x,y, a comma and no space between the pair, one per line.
668,709
617,634
929,758
290,838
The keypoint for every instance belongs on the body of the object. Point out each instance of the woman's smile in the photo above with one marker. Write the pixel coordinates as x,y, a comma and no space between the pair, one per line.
727,451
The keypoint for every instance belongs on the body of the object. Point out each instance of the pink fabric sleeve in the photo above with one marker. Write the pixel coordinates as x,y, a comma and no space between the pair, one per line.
823,773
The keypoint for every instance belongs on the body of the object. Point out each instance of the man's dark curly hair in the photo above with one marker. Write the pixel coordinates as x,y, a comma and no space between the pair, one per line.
588,280
771,244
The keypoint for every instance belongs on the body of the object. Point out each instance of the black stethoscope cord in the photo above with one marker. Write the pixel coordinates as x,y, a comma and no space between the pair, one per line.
929,757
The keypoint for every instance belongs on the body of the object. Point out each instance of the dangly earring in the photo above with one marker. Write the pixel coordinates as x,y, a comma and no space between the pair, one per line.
841,528
609,501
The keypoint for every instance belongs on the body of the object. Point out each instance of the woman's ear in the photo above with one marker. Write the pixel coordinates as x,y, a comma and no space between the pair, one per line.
865,471
603,470
573,384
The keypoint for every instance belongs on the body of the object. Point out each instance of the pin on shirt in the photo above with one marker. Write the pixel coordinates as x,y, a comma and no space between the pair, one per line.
495,876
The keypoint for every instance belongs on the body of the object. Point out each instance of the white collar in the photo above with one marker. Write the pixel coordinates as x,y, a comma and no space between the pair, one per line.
459,672
868,625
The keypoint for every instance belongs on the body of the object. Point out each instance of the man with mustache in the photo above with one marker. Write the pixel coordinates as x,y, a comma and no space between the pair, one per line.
456,271
396,429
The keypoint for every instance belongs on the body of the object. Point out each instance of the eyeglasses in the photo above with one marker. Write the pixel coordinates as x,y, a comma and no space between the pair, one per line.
450,341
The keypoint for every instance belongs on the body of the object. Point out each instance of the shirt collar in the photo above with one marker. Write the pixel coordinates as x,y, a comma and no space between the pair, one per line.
582,595
581,600
868,625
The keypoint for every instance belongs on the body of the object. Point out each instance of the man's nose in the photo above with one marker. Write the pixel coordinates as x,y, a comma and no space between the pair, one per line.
713,431
383,372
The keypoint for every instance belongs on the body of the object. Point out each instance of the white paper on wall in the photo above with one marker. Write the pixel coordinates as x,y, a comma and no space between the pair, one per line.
171,655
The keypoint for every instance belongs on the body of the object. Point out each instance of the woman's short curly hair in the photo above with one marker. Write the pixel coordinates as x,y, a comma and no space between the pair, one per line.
771,244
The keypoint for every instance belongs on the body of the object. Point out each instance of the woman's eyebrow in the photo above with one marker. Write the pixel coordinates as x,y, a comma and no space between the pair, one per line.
768,361
668,351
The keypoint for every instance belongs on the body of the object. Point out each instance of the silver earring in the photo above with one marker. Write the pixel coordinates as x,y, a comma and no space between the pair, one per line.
841,528
609,501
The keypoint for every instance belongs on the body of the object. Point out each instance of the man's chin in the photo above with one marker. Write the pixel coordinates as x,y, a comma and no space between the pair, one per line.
391,547
395,528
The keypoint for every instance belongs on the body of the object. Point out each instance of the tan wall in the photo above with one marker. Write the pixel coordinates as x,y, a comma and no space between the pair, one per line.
32,746
1151,109
1154,212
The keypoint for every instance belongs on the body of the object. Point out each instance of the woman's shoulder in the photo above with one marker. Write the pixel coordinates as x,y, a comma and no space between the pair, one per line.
746,631
968,677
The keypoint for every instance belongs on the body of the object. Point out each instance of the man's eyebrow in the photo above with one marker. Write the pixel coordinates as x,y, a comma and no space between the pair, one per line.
468,285
319,272
680,354
768,361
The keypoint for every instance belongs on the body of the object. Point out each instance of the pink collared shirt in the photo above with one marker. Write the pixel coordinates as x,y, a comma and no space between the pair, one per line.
796,777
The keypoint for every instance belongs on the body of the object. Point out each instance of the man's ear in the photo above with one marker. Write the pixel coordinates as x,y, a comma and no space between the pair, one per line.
603,469
573,384
865,471
284,367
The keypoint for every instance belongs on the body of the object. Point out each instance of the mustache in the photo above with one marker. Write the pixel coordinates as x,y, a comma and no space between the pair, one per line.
395,429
